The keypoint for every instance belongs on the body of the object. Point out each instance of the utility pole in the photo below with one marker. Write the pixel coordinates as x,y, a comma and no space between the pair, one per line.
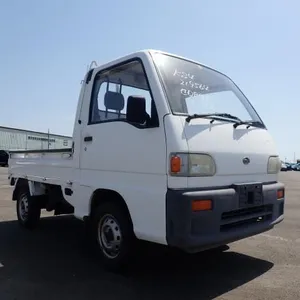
48,139
26,141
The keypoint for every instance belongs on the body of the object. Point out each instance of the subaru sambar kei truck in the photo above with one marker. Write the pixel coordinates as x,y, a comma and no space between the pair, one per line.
166,150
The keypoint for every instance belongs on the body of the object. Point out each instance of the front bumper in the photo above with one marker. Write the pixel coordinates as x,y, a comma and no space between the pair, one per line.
225,223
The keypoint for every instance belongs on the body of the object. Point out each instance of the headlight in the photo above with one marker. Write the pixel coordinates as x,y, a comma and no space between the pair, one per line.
274,165
190,164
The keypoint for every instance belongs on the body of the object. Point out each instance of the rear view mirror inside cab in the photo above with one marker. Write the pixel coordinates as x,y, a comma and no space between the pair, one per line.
136,110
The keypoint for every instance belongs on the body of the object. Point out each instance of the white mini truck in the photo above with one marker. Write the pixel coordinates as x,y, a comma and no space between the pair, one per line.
165,150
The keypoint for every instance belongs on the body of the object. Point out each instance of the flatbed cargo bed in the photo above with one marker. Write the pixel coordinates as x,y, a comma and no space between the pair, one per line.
42,151
53,166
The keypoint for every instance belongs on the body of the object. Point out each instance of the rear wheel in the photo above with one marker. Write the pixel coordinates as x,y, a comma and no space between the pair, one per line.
114,235
28,210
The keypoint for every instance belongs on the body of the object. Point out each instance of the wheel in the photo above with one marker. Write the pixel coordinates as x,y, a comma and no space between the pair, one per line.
114,235
28,211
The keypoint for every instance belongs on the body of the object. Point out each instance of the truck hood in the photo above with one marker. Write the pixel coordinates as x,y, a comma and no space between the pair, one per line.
229,146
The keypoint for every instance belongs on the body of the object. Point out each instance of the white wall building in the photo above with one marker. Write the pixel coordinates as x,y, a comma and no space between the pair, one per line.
20,139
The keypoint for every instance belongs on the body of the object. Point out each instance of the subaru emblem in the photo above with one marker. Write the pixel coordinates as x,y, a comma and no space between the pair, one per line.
246,160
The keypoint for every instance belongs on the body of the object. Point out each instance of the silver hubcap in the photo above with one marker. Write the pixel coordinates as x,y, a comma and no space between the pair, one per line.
109,236
23,208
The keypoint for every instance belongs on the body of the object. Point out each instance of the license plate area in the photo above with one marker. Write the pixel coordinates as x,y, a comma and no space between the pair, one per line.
249,194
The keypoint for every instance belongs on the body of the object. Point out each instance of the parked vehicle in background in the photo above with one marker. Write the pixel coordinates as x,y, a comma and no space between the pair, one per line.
4,156
296,167
165,150
288,166
283,166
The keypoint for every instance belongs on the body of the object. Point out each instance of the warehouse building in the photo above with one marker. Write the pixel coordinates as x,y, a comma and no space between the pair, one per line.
20,139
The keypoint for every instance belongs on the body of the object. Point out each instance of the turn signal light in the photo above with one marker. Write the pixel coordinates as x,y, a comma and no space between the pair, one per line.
175,164
280,194
201,205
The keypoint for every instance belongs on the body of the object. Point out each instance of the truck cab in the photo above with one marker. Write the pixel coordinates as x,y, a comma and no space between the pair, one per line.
166,150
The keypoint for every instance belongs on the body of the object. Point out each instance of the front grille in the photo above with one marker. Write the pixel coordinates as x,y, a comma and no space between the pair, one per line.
245,217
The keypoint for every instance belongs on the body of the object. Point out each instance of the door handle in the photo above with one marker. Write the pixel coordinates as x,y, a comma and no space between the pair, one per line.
88,138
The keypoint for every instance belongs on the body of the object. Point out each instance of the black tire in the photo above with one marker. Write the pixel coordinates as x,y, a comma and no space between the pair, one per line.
31,217
107,215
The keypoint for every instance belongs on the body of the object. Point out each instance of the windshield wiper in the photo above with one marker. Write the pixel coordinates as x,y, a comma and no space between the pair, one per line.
212,115
249,123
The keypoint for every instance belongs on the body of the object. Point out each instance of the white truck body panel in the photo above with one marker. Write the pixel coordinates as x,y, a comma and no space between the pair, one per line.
54,168
229,146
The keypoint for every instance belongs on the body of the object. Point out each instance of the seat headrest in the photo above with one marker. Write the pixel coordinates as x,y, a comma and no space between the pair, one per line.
136,109
114,101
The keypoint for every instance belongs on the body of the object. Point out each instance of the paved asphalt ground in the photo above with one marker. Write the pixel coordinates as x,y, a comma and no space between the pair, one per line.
56,262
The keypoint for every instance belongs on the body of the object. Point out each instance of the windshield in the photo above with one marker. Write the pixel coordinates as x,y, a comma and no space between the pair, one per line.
195,89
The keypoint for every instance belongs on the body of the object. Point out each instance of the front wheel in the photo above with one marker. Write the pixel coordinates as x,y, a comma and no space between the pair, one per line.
28,210
114,234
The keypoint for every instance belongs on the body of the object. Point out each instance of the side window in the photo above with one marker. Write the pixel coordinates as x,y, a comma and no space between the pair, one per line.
122,94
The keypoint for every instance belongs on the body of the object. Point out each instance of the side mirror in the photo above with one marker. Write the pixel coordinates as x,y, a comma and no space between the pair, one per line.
136,110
